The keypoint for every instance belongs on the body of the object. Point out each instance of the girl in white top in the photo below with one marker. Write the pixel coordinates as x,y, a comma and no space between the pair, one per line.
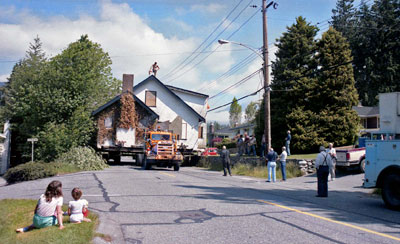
48,210
76,207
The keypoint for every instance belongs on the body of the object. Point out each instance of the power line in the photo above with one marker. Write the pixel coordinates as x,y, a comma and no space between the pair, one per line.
236,84
182,64
214,49
216,28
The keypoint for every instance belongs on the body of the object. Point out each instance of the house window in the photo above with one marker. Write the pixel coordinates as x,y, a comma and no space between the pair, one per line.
184,131
150,99
108,122
200,131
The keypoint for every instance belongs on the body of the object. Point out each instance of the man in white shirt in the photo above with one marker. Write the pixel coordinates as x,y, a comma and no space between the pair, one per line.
323,163
282,159
332,152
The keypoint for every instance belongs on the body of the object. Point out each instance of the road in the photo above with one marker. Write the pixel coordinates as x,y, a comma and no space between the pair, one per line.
199,206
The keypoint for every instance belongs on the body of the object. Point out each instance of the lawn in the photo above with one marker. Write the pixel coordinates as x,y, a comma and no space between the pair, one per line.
16,213
303,156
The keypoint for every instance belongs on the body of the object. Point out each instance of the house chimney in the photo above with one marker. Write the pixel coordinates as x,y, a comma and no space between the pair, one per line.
127,83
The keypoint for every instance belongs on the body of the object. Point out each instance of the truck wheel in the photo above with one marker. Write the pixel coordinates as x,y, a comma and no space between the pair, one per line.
145,165
139,159
176,167
391,191
361,166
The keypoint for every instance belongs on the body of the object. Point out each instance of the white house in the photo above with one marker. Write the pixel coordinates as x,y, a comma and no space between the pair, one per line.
5,139
179,110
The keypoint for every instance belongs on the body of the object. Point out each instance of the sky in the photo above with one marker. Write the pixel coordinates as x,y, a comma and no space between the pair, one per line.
180,35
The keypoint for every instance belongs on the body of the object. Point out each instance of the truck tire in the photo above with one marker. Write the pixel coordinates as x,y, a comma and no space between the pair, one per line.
391,191
145,164
176,167
139,159
361,166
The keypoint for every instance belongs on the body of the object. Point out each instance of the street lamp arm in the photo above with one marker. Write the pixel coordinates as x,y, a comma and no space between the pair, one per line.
221,41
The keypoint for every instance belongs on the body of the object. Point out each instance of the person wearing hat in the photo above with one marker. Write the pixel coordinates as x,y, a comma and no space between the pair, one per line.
323,163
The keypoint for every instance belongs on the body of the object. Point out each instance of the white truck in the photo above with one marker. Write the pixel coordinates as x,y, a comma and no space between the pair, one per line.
351,157
382,169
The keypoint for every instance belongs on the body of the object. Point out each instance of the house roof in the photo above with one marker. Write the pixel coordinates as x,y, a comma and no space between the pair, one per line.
117,98
366,111
228,130
246,125
152,77
173,88
224,131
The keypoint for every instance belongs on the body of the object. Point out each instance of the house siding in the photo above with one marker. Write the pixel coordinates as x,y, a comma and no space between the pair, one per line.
168,107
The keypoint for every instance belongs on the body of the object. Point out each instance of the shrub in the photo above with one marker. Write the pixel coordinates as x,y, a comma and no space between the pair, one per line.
227,142
85,158
29,171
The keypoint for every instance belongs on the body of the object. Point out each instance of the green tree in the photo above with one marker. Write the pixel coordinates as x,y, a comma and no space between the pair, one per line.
344,18
327,116
235,113
250,111
290,84
66,89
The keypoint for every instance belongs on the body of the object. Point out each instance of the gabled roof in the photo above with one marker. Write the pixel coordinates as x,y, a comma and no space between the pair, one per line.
152,77
366,111
173,88
117,98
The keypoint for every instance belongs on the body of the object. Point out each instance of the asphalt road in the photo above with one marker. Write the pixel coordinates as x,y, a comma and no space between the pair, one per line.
198,206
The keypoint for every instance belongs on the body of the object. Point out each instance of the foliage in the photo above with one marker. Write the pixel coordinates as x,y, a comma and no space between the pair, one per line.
227,142
372,32
235,113
294,58
46,97
29,171
18,213
37,170
85,158
250,111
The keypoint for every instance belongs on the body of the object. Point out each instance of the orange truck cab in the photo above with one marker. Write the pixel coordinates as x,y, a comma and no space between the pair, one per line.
161,150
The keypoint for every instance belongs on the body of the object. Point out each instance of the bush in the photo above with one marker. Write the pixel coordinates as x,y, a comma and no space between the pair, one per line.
29,171
227,142
85,158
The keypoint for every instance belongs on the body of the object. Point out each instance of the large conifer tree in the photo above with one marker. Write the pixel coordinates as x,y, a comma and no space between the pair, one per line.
294,59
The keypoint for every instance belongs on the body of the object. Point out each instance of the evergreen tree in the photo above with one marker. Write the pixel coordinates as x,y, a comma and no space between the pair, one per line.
328,115
294,60
235,113
344,18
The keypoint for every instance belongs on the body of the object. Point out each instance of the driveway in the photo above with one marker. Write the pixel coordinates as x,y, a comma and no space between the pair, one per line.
199,206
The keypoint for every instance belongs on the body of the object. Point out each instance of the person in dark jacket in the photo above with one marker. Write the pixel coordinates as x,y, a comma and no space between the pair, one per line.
271,157
226,161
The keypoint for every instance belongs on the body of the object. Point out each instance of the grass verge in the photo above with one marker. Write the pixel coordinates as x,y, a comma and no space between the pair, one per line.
303,156
18,213
262,171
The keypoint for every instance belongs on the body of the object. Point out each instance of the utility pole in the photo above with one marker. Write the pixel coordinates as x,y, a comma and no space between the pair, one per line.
267,112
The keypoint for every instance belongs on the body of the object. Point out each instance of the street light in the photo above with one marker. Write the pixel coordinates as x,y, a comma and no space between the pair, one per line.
222,41
267,90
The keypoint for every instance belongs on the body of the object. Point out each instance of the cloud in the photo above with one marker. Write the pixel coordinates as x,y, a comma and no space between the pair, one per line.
132,45
3,78
209,8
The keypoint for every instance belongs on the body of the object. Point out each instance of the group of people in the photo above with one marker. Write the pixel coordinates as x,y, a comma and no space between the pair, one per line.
246,144
48,210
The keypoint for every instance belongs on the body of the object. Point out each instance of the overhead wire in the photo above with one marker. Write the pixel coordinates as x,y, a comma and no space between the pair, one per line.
183,64
191,68
215,29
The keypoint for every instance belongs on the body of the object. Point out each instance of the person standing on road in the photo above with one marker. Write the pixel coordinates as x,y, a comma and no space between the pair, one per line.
271,157
332,152
287,142
226,162
323,163
282,159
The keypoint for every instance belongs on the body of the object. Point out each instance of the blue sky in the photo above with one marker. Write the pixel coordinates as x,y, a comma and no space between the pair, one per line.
138,32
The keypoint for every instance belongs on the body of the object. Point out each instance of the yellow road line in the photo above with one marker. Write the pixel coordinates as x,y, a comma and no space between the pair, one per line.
170,175
331,220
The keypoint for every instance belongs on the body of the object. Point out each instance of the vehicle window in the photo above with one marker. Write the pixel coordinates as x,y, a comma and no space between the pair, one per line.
156,137
165,137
